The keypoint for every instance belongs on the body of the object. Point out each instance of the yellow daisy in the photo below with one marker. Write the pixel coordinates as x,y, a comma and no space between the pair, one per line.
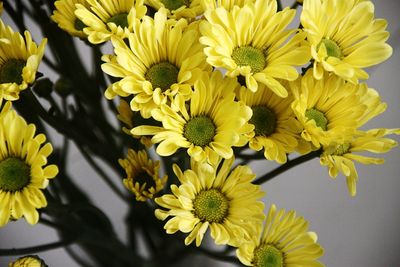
28,261
142,175
106,18
19,62
64,16
331,109
188,9
344,37
163,59
276,128
225,201
208,127
227,4
22,168
253,43
284,242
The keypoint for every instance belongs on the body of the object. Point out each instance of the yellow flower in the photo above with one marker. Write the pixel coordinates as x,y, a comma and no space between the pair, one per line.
344,37
276,128
142,175
106,18
331,109
28,261
284,242
225,201
253,43
208,127
227,4
188,9
19,61
22,168
64,16
163,59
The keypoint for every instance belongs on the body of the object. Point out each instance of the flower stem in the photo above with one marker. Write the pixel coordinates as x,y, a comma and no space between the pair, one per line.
35,249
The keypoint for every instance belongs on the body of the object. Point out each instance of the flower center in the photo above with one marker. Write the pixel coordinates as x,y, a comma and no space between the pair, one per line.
120,20
332,49
144,178
79,25
318,117
162,75
14,174
175,4
11,71
199,130
342,149
264,120
211,206
267,256
249,56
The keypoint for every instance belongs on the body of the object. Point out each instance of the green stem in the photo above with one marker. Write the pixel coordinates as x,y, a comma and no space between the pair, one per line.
35,249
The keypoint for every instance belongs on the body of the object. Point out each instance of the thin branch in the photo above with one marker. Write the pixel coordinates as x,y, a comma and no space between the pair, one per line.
35,249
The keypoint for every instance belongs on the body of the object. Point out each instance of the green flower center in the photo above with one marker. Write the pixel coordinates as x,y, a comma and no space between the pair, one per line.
342,149
332,49
264,120
14,174
162,75
144,178
267,256
211,206
249,56
175,4
318,117
120,20
199,130
79,25
11,71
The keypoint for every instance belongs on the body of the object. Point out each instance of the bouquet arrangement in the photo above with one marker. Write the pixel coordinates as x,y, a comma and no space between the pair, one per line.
176,98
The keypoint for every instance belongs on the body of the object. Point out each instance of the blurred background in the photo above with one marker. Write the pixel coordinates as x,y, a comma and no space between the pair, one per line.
355,232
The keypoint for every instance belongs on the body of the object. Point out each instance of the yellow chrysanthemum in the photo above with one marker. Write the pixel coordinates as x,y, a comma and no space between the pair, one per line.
345,37
331,109
188,9
142,175
225,201
284,242
19,61
22,168
253,43
106,18
276,128
163,59
64,16
227,4
28,261
208,127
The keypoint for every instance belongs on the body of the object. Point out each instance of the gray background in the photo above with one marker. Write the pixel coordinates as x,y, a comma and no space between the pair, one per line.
355,232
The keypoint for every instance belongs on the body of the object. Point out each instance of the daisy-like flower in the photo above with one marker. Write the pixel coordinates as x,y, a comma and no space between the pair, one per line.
163,59
331,109
208,127
253,42
344,37
28,261
227,4
23,173
64,16
225,201
284,242
275,127
19,62
142,175
106,18
188,9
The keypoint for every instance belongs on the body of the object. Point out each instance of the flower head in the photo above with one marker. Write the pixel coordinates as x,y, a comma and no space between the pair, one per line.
64,16
28,261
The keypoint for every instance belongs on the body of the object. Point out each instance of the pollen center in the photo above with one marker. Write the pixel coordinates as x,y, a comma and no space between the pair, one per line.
199,130
264,120
175,4
318,117
267,256
120,20
144,178
342,149
14,174
162,75
249,56
211,206
79,25
332,49
11,71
